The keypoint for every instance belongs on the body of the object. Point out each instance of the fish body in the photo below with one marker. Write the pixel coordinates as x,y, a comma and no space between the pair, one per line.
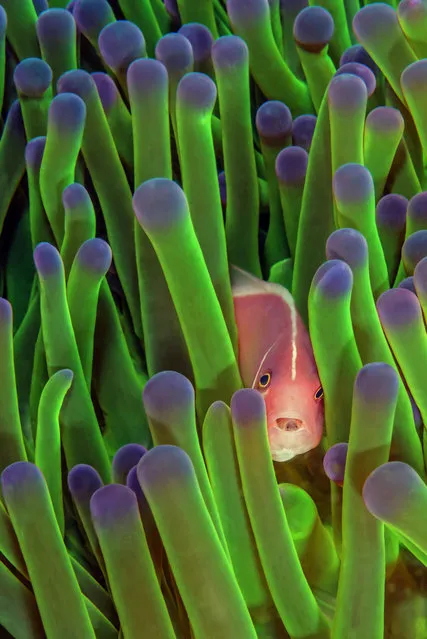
276,358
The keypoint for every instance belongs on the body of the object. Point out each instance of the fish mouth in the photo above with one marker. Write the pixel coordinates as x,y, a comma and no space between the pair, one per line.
289,424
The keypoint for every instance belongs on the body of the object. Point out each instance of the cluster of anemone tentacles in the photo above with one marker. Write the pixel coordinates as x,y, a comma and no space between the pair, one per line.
146,145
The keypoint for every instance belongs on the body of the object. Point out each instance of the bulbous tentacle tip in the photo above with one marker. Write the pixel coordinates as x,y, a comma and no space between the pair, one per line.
32,77
409,284
47,260
34,152
348,245
414,78
167,391
420,278
77,81
95,256
373,20
54,25
6,313
200,38
146,75
357,53
303,128
229,52
352,183
347,92
120,43
414,249
83,480
274,122
18,478
391,211
398,308
247,12
313,29
3,22
74,196
334,462
362,72
163,465
92,15
111,505
388,487
385,120
175,52
107,90
198,91
125,459
333,279
160,204
291,165
247,408
67,112
377,384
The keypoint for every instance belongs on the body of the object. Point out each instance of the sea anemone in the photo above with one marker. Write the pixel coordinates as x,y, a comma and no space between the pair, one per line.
147,147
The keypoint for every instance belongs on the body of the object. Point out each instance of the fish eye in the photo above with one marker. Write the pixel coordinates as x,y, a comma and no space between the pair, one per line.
264,381
318,394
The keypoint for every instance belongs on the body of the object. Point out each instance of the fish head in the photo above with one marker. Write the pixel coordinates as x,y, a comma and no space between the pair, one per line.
294,403
276,358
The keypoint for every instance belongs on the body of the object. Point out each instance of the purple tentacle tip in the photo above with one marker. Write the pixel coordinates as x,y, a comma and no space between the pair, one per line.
198,91
20,477
163,466
417,207
385,119
374,20
334,462
6,312
414,77
77,81
92,16
248,408
175,52
75,196
95,256
347,92
166,392
391,211
159,204
414,249
247,12
274,123
55,25
420,278
83,481
303,128
333,279
32,77
200,38
398,307
34,152
125,459
146,75
313,29
348,245
408,283
352,183
110,504
47,260
360,71
388,487
377,383
357,53
291,165
67,111
229,52
107,90
121,43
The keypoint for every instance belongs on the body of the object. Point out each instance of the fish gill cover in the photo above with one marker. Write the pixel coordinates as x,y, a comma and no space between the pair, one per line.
196,196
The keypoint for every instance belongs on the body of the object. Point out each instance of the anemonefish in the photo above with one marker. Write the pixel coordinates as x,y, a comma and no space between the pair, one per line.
276,358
